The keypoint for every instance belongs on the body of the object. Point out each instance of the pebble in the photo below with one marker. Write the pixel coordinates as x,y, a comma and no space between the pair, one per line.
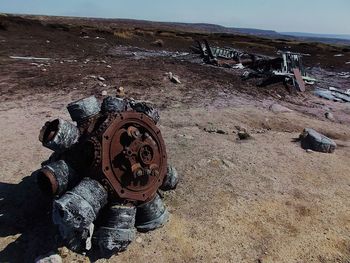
49,258
104,93
276,108
101,78
243,135
329,116
138,240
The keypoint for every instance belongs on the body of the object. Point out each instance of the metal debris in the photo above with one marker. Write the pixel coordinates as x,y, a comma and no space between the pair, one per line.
105,173
311,139
30,58
287,68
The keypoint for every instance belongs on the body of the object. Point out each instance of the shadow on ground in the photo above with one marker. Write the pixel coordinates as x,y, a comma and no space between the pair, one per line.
25,219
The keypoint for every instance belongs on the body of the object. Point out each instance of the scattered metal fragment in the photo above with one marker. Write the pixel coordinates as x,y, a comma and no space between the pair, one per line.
105,173
287,68
333,94
30,58
311,139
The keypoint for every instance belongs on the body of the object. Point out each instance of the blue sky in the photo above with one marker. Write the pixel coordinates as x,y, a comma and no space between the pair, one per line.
315,16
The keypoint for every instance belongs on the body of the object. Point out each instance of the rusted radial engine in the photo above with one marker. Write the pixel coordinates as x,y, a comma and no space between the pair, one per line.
105,173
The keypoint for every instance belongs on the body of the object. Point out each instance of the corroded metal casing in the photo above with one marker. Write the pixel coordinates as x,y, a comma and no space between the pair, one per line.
59,135
134,158
112,104
56,177
83,109
78,208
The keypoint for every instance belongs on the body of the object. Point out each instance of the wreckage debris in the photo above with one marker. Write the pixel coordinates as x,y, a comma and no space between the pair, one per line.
311,139
287,68
105,173
333,94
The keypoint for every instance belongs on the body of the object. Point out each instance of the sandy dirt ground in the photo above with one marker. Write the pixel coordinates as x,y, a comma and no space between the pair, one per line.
259,200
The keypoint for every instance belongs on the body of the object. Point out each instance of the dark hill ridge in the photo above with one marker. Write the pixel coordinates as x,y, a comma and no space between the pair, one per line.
115,23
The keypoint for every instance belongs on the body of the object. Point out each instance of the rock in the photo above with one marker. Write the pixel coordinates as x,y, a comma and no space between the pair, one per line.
329,116
49,258
309,151
228,163
120,92
104,93
138,240
101,84
212,129
158,43
173,78
277,108
108,66
311,139
185,136
244,135
101,78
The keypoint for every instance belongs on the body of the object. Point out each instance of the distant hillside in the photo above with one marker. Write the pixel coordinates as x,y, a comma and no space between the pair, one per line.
115,23
313,35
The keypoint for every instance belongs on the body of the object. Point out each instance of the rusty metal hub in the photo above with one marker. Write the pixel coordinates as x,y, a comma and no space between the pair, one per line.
134,158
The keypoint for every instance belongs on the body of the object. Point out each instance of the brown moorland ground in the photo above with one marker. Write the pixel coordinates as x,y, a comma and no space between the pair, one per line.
260,200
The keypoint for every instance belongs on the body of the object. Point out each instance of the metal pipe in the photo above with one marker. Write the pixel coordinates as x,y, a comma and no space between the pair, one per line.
56,177
59,135
78,208
83,109
117,230
151,215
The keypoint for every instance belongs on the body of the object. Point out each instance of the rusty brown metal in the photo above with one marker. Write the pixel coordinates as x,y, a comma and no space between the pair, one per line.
134,158
114,158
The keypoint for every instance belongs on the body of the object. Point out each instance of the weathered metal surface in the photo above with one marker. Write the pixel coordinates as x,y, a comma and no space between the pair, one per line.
120,154
83,109
134,158
56,177
117,230
171,179
59,135
300,84
151,215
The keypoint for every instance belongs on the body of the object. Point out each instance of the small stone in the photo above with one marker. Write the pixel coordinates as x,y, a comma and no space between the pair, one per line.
49,258
309,151
108,66
277,108
228,164
243,135
101,78
173,78
329,116
138,240
220,131
104,93
63,252
120,92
